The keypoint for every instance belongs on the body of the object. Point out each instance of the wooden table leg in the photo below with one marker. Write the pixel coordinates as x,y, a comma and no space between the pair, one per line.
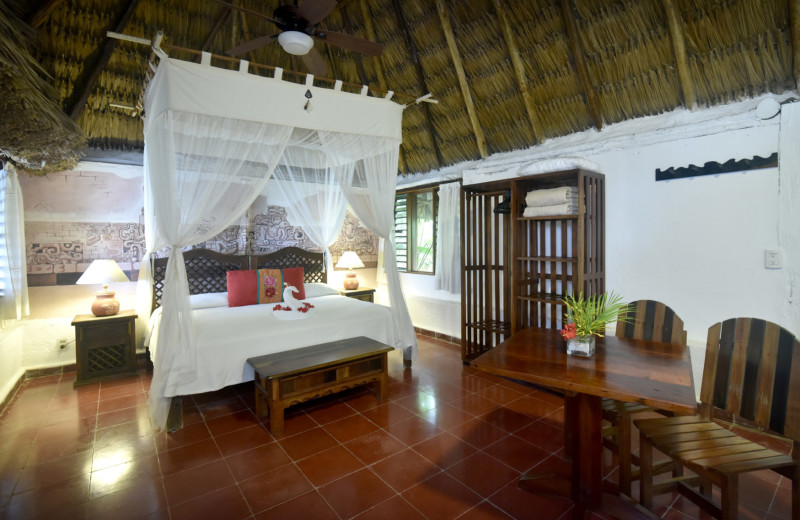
583,414
587,449
585,486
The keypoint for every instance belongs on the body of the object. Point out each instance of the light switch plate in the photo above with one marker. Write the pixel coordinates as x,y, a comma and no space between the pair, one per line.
773,259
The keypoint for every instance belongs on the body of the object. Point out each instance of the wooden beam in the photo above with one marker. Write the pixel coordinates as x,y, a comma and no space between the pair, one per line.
455,55
38,18
580,62
348,27
412,52
794,22
519,70
681,58
217,25
370,30
333,70
86,81
246,33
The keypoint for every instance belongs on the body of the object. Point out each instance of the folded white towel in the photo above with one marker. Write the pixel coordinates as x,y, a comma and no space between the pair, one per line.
551,197
568,208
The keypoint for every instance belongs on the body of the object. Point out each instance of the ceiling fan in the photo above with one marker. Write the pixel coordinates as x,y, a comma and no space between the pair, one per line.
299,26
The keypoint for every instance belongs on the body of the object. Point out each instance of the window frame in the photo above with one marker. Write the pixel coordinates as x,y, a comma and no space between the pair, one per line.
411,226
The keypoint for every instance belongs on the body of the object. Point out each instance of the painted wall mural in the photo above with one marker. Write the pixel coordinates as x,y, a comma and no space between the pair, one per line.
59,252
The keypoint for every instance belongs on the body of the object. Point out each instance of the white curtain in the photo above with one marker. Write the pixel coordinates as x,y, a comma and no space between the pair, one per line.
202,172
448,243
307,183
370,190
13,267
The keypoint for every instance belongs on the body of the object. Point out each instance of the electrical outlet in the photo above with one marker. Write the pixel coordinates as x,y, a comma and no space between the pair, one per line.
62,343
773,259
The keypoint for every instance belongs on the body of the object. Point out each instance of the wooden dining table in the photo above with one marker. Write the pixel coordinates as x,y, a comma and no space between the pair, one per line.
648,372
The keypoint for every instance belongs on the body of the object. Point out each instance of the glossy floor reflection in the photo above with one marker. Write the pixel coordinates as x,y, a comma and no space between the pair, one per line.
449,442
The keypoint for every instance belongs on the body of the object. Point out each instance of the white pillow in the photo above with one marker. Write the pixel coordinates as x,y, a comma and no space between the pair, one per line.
207,300
319,289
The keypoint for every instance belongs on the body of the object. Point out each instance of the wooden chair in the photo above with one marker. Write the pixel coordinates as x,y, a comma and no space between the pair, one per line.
649,320
751,378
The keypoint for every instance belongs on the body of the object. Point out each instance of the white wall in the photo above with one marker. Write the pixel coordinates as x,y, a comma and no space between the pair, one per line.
434,310
11,356
696,244
52,310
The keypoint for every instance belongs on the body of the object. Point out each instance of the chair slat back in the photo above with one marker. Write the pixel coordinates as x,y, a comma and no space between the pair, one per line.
653,321
752,374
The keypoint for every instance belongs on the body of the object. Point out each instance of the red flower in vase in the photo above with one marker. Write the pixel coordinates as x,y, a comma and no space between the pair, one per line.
569,331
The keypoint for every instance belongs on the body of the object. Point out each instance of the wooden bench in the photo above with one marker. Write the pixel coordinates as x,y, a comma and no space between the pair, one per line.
287,378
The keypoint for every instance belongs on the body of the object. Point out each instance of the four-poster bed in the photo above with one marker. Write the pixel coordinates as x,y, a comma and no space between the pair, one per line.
214,140
226,337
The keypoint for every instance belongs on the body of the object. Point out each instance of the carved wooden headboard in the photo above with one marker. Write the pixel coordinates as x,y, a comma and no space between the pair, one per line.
206,270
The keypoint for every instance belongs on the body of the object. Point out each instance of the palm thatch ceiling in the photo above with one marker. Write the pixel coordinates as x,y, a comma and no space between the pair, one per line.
507,73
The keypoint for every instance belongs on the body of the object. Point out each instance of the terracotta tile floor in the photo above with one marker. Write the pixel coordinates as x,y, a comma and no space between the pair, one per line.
449,442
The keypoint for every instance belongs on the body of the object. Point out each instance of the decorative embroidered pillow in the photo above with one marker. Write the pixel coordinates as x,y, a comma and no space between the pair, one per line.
270,285
242,288
294,276
251,287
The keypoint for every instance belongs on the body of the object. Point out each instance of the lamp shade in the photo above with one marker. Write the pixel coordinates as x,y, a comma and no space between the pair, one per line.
350,260
102,272
295,42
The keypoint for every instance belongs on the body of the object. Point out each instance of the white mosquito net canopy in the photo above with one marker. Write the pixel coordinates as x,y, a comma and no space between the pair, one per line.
214,140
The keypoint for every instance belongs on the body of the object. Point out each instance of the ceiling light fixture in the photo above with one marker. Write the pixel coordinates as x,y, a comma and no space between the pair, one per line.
295,42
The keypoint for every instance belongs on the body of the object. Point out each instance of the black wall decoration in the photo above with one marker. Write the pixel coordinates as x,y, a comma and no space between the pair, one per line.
715,168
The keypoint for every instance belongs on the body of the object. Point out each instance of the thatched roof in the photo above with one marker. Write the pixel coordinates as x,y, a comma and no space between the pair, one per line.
35,134
507,74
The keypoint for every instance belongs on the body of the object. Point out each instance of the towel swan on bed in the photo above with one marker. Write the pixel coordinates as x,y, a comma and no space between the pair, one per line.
288,297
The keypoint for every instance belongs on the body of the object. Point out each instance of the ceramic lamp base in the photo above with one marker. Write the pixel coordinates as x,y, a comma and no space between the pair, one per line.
105,304
350,281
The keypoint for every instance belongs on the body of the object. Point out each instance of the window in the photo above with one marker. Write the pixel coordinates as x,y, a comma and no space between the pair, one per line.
415,230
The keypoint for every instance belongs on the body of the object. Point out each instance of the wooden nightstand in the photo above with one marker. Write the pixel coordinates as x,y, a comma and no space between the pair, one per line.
362,293
105,347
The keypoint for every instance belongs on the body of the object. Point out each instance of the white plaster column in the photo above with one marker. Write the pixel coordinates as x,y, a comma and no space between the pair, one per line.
789,212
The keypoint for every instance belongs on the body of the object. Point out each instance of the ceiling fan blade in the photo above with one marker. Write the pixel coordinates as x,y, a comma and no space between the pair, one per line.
352,43
313,11
248,11
251,45
315,63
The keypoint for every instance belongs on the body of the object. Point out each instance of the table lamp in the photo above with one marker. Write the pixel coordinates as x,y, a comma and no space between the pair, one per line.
103,272
350,260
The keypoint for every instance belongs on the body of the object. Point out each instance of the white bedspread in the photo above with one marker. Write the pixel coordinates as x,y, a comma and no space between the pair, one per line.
227,336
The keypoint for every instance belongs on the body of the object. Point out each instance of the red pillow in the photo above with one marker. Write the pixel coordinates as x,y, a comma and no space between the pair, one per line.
294,276
242,288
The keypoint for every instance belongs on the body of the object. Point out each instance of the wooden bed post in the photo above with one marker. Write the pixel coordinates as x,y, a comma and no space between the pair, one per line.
175,417
407,353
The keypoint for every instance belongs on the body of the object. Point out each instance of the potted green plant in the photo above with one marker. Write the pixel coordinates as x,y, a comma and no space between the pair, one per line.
587,318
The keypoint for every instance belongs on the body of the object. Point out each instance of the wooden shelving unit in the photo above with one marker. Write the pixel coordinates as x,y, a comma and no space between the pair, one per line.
515,269
486,269
556,255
